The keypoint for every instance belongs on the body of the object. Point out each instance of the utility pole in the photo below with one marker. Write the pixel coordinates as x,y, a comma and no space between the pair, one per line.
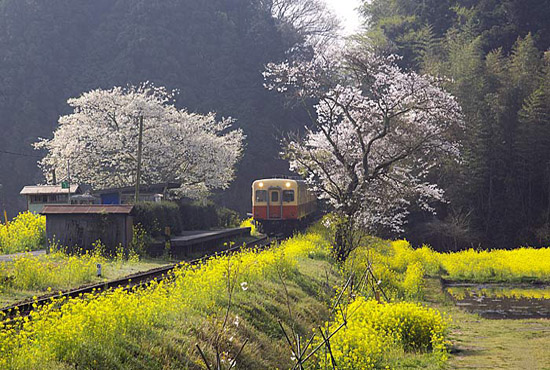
69,181
3,205
140,144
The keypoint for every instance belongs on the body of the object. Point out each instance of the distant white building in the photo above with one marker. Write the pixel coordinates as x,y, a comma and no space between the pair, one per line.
40,195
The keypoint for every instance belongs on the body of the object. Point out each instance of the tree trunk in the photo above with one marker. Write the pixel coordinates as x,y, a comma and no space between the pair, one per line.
343,238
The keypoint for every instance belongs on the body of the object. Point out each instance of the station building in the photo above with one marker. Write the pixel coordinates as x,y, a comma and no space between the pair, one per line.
39,196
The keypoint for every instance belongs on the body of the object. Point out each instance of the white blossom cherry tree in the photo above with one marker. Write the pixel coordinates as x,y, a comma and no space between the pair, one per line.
377,133
100,138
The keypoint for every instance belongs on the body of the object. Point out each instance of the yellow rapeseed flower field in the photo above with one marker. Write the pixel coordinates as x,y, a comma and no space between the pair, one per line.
398,265
66,331
55,270
26,232
63,332
497,265
374,330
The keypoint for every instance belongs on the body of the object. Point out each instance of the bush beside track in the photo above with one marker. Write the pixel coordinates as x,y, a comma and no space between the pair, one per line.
26,232
155,216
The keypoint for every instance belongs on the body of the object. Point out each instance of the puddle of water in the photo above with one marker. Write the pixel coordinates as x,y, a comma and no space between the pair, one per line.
502,302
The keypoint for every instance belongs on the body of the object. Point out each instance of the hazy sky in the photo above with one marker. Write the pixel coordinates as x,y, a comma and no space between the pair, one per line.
345,10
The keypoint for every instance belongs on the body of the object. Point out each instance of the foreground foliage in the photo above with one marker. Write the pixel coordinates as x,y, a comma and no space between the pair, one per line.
375,331
26,232
91,331
284,283
157,326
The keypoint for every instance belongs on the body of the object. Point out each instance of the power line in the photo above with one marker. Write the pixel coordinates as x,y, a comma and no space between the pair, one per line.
19,154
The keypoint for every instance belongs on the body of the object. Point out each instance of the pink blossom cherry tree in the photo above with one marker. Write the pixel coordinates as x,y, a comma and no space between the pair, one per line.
101,138
377,132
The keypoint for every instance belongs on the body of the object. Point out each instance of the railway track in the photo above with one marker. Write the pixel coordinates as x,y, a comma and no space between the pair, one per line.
128,282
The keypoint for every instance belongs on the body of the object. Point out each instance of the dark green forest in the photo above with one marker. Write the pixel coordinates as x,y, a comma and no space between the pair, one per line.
212,51
493,52
495,55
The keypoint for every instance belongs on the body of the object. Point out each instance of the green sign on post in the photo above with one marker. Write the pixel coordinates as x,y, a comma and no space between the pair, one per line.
64,184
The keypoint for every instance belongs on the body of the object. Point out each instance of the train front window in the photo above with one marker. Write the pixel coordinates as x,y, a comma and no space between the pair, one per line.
275,196
261,195
288,196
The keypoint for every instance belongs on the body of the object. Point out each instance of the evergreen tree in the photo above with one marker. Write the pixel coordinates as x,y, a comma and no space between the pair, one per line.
493,57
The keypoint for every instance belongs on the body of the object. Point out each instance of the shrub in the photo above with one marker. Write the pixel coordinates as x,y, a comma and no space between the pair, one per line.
26,232
249,222
196,216
156,216
227,218
140,240
373,330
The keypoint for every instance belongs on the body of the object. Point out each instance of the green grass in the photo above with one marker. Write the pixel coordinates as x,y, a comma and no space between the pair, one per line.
399,360
480,343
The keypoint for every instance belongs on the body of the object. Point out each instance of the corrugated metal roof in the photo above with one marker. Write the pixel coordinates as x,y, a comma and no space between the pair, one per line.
47,189
87,209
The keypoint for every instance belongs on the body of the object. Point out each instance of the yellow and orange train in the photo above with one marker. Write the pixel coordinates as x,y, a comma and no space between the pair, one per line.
280,205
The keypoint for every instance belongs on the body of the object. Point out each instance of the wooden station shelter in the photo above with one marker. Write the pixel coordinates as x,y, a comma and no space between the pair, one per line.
82,225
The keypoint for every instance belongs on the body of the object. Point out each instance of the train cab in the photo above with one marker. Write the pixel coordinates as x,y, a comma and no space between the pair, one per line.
279,203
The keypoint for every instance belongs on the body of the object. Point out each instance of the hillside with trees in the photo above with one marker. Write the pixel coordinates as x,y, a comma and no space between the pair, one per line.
213,52
494,54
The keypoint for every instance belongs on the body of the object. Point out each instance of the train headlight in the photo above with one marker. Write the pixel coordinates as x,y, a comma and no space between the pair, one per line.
261,184
287,184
